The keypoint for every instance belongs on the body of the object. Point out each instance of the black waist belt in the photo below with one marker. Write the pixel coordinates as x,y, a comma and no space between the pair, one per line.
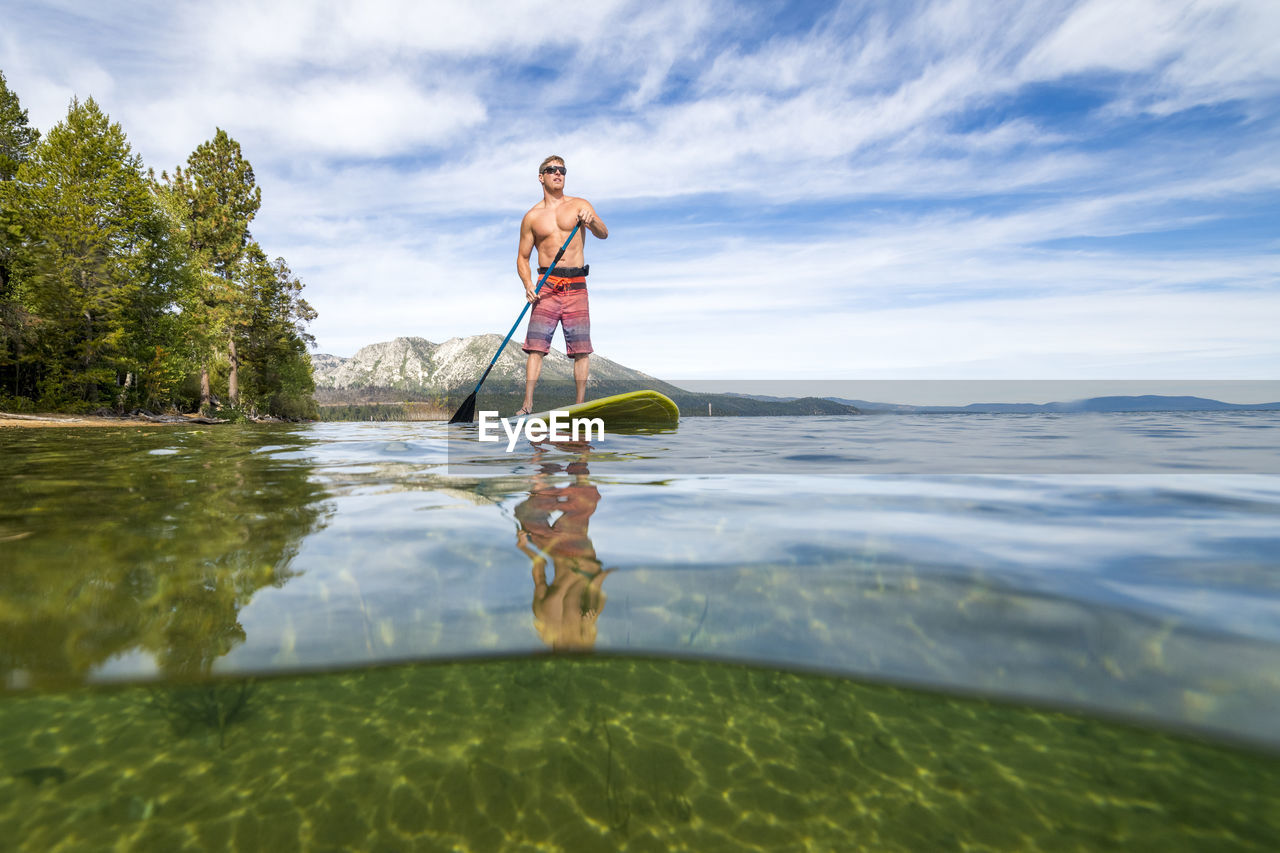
567,272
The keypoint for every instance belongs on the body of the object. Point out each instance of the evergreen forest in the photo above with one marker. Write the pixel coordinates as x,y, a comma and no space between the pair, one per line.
121,291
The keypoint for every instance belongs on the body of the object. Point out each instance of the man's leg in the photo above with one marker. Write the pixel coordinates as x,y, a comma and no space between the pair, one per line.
577,337
532,370
581,367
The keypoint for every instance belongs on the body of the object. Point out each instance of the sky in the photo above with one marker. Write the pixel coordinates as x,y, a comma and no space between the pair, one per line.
863,190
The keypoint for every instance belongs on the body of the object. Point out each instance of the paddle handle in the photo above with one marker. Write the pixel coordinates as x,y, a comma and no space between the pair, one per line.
523,311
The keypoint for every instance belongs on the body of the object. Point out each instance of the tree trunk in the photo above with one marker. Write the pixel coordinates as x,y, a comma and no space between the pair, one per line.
206,395
124,391
233,381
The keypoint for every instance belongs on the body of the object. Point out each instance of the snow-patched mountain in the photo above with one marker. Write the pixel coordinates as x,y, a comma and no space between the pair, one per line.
417,364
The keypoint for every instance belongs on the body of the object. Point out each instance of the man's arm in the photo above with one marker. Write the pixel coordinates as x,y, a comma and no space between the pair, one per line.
522,257
587,216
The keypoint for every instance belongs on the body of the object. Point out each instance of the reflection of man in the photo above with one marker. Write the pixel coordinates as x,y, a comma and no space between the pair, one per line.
564,611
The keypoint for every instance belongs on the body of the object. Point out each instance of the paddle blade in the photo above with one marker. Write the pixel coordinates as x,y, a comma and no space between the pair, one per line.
466,412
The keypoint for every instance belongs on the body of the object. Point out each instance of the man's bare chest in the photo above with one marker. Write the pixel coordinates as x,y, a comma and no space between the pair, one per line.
555,224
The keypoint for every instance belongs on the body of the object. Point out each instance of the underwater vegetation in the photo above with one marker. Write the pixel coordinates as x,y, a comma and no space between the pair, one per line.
572,753
213,705
37,776
619,805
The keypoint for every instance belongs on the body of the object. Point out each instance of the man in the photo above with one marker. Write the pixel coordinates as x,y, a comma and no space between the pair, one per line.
563,299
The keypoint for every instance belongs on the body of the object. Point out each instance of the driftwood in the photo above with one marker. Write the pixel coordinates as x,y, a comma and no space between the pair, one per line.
17,417
179,419
155,419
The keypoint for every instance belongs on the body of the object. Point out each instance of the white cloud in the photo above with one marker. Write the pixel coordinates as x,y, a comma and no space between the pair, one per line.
248,34
1093,336
1197,51
47,81
1119,35
368,117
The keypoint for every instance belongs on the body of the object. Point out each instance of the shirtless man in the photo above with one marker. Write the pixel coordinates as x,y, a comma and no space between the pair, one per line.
563,299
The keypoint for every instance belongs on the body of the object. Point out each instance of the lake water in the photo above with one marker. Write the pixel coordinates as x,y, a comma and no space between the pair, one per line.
899,631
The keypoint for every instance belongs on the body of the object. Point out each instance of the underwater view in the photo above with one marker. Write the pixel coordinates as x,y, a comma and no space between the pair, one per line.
887,633
607,754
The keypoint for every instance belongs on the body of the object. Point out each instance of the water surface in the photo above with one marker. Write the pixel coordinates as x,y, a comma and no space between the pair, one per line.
1118,572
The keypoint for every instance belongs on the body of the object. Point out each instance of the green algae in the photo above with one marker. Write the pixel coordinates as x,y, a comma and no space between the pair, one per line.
598,753
214,705
37,776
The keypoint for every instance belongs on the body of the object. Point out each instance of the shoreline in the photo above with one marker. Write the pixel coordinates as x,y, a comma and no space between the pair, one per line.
44,420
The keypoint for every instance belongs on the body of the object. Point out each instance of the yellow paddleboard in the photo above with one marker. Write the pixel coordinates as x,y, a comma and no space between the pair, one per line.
635,409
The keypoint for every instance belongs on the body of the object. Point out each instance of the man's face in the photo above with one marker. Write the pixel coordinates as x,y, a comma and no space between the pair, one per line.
553,175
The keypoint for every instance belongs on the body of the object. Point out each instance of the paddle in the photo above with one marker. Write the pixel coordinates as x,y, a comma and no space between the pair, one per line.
467,411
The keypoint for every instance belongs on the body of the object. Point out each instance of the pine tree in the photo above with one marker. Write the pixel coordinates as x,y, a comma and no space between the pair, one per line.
182,342
92,263
222,199
278,366
17,138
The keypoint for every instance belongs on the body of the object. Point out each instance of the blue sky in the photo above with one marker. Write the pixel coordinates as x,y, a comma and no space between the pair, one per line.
864,190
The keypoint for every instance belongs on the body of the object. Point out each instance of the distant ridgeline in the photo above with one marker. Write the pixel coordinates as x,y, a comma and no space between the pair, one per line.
1096,405
121,291
415,379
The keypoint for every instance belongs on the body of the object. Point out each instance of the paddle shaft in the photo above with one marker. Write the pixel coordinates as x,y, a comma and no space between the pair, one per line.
524,310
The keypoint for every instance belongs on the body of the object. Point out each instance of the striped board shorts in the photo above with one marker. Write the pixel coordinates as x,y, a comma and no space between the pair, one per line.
557,304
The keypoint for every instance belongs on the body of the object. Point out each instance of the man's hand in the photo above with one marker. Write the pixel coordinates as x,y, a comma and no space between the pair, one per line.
591,222
530,296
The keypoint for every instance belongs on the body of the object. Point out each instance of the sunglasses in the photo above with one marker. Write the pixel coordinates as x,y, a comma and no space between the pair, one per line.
559,170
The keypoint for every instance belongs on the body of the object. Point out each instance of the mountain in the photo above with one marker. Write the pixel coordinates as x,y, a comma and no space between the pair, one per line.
416,368
417,364
383,379
1156,403
1142,403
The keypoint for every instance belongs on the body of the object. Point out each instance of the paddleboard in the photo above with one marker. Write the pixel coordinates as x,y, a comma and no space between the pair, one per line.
633,410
